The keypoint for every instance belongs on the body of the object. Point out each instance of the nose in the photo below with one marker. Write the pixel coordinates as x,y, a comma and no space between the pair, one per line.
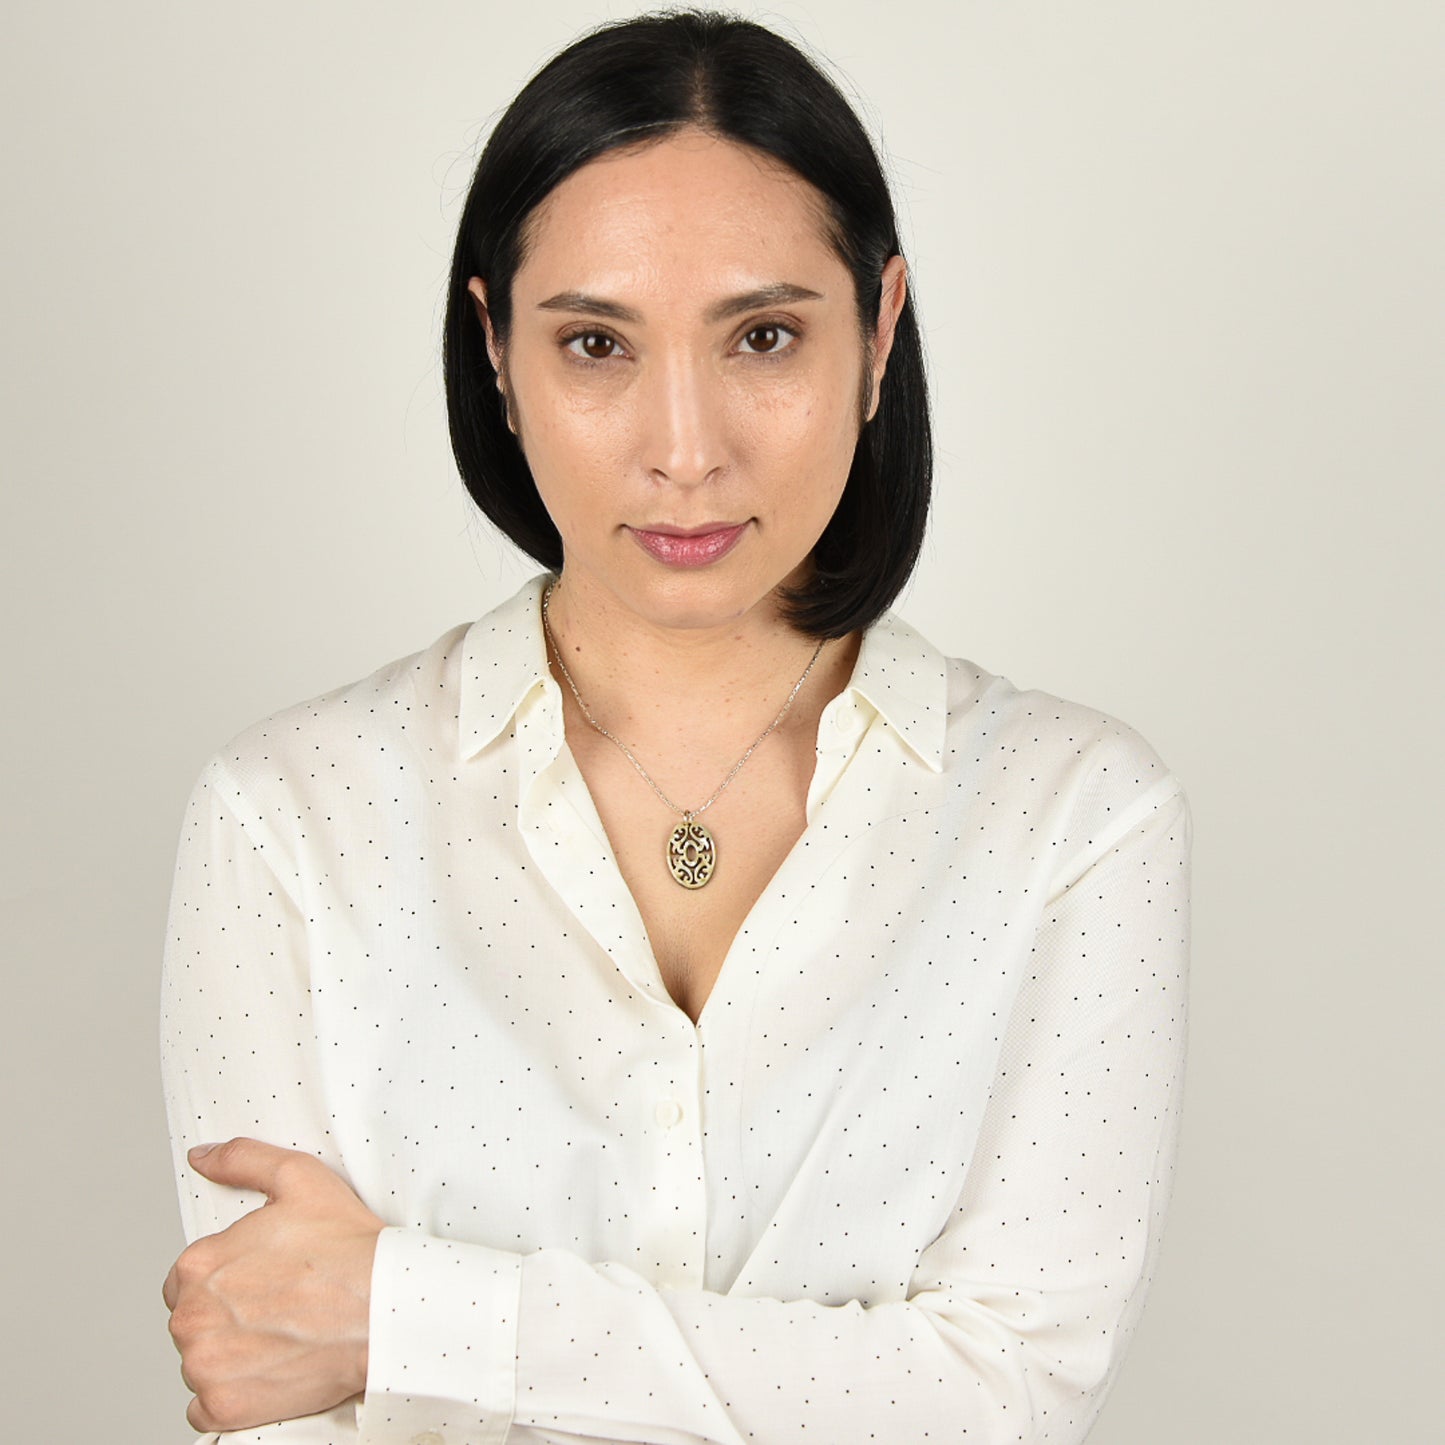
684,422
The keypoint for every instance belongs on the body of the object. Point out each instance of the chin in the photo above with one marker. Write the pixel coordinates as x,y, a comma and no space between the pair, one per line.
679,604
721,595
700,598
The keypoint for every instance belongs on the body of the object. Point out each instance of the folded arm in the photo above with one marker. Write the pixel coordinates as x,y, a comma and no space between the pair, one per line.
1019,1312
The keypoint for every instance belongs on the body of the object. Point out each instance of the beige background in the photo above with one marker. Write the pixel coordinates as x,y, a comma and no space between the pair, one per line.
1179,267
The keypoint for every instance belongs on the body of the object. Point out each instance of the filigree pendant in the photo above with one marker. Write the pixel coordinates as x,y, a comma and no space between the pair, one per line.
691,854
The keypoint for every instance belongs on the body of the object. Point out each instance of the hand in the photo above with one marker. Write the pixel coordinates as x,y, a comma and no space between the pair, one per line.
270,1315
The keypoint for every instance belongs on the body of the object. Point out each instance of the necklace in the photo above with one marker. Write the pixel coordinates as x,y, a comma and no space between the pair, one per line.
691,849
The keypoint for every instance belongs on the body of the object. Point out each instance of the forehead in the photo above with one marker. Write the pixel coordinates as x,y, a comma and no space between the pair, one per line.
688,207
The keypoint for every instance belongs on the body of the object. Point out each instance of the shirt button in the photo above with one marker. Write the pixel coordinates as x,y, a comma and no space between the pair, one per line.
668,1112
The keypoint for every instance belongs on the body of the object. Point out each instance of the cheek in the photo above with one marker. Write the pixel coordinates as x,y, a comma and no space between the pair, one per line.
803,436
570,430
574,448
793,433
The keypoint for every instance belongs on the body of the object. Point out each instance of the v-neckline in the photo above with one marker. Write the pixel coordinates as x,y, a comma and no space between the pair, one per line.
580,796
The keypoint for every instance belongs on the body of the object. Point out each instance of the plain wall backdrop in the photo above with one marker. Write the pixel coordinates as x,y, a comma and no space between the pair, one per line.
1179,267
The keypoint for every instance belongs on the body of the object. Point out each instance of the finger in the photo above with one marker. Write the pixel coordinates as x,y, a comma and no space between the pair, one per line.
196,1417
171,1289
249,1164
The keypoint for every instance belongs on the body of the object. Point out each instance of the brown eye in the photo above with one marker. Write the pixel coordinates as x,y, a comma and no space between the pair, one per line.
767,340
596,345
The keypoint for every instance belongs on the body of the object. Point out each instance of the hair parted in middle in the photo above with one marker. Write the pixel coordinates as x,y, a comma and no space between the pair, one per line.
643,78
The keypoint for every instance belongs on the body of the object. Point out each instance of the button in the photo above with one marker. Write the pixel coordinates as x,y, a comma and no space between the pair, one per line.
668,1112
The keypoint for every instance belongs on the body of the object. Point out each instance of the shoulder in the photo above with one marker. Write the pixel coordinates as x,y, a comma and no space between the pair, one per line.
987,718
987,712
1076,777
409,708
287,764
396,702
1060,770
1085,777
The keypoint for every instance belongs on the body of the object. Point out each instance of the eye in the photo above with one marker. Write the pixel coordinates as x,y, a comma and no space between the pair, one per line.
768,339
595,345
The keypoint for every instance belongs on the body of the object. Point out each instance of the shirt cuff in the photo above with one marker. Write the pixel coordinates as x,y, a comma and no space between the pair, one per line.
442,1353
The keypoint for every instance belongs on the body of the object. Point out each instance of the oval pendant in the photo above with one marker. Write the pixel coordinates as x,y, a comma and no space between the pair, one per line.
691,854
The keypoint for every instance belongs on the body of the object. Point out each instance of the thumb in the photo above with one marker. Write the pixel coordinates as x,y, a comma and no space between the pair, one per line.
249,1164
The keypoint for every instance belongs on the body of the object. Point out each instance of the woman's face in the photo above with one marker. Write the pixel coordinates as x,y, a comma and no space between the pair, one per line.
684,371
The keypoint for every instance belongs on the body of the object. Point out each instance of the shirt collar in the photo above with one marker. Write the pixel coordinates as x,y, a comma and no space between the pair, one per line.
504,667
904,678
899,674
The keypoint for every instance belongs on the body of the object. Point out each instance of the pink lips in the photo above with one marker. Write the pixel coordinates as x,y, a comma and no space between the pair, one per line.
692,546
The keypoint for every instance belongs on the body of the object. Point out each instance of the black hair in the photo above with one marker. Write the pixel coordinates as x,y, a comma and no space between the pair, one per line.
632,80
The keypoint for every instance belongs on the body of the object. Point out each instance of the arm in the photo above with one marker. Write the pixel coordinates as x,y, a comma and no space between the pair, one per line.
237,1048
1020,1311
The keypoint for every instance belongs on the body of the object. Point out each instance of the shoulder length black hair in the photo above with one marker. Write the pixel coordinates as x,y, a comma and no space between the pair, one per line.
631,80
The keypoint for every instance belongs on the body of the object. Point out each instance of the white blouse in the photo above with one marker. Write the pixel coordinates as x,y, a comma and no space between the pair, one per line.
904,1181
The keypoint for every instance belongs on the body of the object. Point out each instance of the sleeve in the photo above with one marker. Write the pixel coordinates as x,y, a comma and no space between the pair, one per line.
1019,1312
236,1043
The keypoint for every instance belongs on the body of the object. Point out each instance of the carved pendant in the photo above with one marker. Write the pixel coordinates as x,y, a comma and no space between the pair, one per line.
691,854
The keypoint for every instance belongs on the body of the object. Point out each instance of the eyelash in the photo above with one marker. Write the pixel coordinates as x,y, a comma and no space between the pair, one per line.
578,333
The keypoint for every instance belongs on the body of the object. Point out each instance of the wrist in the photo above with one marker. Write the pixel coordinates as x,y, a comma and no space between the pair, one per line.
358,1351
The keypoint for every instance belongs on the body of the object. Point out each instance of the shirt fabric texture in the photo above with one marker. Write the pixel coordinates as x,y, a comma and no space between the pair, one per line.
904,1181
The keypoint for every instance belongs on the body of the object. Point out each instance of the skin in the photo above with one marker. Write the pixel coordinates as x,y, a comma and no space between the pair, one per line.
271,1315
673,415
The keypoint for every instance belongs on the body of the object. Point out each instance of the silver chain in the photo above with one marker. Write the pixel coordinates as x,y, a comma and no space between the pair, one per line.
687,813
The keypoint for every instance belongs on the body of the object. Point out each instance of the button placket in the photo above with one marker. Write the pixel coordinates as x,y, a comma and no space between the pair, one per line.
678,1200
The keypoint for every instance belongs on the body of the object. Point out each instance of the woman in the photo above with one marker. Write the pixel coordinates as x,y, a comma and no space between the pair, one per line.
681,1004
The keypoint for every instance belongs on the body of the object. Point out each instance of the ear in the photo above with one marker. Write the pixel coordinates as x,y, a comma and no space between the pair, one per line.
890,307
478,288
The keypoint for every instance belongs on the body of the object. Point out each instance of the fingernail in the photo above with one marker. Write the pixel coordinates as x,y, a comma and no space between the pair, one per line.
199,1151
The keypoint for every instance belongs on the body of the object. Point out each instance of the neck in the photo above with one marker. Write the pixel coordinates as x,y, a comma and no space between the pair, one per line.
638,677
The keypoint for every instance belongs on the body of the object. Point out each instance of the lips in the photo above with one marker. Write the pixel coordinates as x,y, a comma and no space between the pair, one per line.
688,546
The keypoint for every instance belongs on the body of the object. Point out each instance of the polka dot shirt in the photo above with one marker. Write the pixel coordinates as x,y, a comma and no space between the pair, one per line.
904,1181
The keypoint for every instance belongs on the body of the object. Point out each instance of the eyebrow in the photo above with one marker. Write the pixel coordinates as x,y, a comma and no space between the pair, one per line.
773,295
